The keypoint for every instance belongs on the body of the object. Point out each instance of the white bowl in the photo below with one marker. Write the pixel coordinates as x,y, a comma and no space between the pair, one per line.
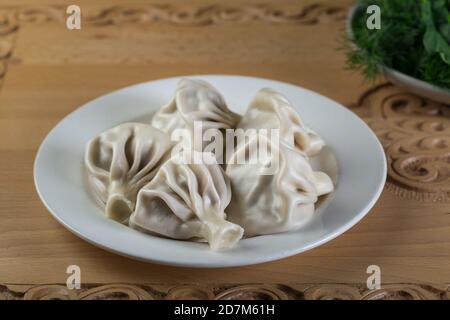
411,84
416,86
59,172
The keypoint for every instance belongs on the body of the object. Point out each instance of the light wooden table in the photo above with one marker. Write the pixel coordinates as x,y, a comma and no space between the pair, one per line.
48,71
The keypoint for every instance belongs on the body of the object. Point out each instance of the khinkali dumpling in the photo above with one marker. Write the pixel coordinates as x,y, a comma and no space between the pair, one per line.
270,110
273,191
122,160
196,103
187,200
195,100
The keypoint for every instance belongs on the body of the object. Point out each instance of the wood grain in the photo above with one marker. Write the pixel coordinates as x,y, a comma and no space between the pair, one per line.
48,71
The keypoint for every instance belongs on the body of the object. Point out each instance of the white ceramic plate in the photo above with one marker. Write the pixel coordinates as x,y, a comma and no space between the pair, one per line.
60,180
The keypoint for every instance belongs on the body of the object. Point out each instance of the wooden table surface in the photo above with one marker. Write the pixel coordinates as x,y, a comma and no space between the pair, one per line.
48,71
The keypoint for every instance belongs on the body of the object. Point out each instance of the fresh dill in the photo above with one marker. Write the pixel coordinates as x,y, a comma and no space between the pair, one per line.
414,39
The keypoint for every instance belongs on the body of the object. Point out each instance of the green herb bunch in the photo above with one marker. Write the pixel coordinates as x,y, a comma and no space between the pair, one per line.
414,39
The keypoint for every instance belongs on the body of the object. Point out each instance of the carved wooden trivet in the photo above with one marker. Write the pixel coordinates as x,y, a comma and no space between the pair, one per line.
415,133
225,292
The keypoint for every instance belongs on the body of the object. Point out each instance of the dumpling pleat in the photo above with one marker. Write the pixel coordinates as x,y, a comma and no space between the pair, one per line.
121,161
197,194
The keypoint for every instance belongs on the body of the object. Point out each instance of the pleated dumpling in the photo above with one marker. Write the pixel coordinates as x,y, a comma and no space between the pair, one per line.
122,160
196,108
195,100
187,200
273,191
270,110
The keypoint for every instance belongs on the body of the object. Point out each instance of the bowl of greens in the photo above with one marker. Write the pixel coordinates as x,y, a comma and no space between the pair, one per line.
411,47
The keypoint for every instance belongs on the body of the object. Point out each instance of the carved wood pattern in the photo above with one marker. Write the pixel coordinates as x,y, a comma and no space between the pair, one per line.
225,292
415,133
11,18
8,28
